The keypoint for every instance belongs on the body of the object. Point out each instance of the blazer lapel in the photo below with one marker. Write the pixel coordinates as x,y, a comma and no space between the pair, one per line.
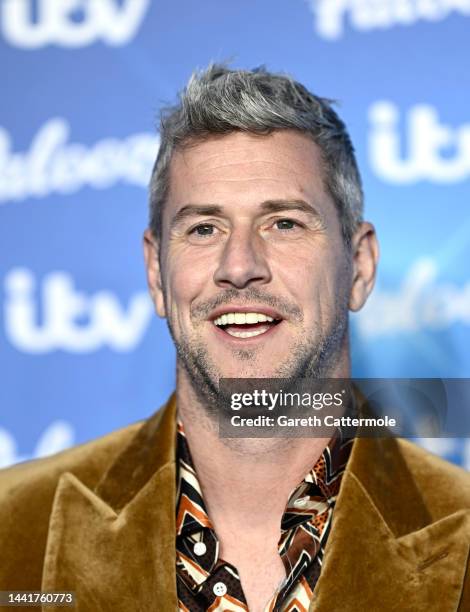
384,551
115,546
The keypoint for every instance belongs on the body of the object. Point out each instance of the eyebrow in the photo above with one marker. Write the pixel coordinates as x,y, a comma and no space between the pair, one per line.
282,205
268,206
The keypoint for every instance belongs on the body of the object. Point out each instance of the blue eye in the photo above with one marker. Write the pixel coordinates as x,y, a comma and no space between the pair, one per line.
285,224
203,230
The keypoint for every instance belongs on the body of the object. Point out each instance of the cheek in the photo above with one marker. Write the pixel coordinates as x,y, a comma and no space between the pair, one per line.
315,278
187,280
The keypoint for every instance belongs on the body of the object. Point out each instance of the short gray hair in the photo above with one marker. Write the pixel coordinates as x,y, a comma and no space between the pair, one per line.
219,100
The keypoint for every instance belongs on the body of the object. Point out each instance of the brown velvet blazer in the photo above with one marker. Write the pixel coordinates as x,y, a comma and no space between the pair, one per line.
99,520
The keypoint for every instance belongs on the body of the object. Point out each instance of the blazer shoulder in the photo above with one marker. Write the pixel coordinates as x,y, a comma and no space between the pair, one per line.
88,461
26,497
444,486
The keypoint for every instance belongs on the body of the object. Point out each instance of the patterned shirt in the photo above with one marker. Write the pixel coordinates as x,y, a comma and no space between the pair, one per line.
206,583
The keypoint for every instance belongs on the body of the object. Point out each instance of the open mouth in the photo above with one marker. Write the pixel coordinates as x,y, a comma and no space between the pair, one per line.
245,324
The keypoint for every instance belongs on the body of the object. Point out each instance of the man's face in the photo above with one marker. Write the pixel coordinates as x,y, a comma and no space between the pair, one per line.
254,277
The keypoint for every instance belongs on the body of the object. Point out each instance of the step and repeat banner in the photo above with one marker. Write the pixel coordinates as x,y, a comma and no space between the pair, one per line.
81,351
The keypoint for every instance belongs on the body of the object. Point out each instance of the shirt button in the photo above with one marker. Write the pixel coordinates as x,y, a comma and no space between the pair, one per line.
301,502
219,589
199,549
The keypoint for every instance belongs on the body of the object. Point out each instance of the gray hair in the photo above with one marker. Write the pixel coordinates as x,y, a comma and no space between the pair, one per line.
220,101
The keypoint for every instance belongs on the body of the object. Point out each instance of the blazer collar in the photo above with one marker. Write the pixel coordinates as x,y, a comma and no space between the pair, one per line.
385,551
115,545
152,448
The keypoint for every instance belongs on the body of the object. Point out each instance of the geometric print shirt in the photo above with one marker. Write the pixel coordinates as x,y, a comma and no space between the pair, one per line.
207,583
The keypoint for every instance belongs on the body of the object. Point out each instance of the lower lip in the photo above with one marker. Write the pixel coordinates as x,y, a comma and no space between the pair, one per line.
252,340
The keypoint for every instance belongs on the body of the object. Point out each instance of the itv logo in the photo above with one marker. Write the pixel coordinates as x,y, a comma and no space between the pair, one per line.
70,320
70,23
419,147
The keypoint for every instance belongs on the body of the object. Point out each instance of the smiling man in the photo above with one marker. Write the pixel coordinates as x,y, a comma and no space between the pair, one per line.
255,254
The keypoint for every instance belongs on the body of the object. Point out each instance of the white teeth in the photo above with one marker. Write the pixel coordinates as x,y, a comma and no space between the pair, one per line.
242,318
245,334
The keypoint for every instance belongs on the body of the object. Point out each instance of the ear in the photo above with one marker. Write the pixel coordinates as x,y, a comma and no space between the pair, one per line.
365,253
154,278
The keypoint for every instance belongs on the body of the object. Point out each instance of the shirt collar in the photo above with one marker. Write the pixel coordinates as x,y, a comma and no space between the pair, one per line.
319,486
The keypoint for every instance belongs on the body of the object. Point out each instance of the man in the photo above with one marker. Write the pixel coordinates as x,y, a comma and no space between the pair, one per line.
256,251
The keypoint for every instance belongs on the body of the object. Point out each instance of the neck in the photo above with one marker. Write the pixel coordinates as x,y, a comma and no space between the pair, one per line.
238,475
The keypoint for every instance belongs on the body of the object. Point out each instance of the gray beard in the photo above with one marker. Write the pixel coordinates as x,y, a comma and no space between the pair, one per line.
308,359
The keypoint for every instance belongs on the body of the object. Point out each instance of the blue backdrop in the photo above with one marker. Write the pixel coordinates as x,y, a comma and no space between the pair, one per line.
82,80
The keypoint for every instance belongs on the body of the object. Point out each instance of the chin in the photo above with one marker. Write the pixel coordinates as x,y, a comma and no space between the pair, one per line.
250,374
250,371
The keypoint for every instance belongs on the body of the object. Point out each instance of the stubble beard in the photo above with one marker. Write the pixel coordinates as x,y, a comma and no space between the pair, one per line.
314,359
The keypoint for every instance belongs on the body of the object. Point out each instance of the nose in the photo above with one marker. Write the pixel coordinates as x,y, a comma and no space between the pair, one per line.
242,262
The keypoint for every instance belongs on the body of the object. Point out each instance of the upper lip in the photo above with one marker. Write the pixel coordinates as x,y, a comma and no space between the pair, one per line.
270,312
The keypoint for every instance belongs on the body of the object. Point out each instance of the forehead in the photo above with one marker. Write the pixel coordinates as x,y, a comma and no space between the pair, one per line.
245,169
